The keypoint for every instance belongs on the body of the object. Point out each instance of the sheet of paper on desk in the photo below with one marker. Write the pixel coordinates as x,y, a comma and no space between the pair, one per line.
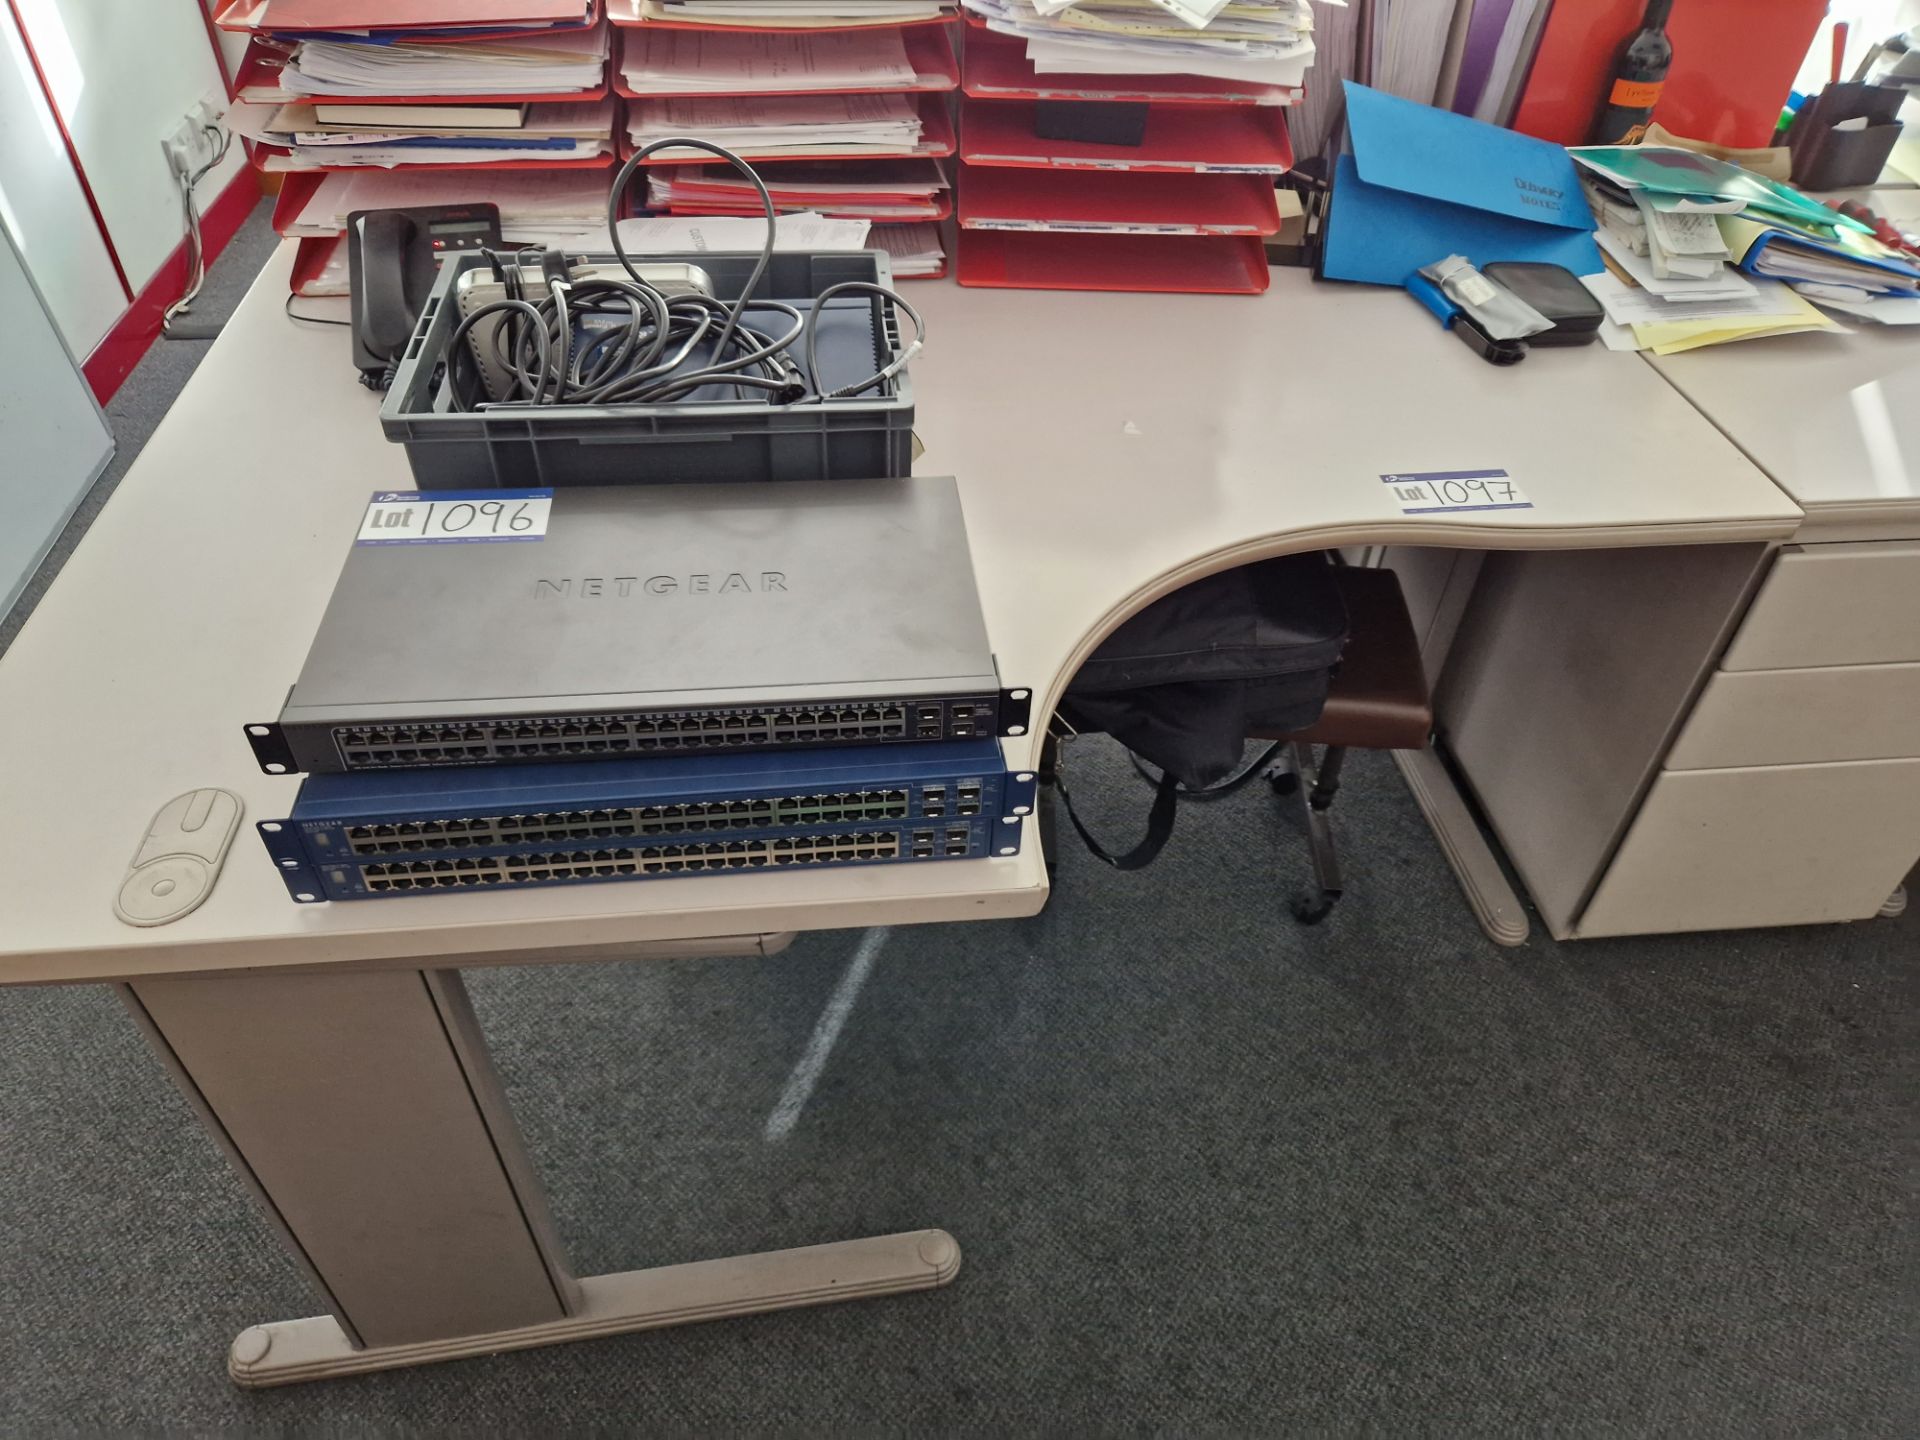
1675,336
1629,305
1880,311
670,234
1619,337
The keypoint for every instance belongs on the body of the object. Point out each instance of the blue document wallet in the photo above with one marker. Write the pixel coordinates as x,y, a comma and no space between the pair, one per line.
1422,184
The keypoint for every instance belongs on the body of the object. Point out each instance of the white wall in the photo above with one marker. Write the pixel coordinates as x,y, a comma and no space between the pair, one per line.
43,208
123,73
1869,22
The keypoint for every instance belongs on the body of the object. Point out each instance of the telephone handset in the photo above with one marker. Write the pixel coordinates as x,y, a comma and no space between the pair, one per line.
393,257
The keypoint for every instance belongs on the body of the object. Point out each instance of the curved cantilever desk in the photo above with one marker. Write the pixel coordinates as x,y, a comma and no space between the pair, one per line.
1109,448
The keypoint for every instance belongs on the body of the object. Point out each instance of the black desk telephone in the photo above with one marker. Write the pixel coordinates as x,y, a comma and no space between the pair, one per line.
393,257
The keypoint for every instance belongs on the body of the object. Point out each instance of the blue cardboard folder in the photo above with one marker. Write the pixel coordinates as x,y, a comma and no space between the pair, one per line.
1422,184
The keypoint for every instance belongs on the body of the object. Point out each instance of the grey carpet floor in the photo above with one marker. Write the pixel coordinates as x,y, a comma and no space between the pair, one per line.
1211,1171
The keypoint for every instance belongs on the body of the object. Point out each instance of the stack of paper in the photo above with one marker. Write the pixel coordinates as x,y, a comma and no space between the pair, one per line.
551,62
1668,324
1678,245
428,17
868,190
1766,228
665,235
792,125
784,14
706,62
570,130
1268,42
537,207
915,251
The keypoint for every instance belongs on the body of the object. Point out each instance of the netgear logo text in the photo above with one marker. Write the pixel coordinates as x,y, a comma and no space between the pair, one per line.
622,587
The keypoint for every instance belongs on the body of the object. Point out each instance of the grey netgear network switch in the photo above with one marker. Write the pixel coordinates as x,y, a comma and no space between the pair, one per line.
646,620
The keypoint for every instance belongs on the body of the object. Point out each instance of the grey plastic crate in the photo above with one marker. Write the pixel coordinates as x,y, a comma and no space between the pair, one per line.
723,438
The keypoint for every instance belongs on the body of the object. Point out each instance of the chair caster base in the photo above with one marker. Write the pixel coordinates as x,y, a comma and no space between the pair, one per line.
1284,782
1312,909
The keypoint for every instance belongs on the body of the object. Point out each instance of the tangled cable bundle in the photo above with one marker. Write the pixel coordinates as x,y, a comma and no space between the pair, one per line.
639,362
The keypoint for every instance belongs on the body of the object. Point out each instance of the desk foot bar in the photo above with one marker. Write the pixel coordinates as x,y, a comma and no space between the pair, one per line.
290,1351
1472,860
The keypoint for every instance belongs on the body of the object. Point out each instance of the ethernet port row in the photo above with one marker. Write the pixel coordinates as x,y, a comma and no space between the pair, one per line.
570,865
817,849
432,874
703,855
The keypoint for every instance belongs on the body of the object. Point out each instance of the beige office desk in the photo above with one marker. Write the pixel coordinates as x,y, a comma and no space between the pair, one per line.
1109,449
1757,762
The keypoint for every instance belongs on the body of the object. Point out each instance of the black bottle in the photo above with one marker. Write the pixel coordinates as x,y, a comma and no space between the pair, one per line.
1637,81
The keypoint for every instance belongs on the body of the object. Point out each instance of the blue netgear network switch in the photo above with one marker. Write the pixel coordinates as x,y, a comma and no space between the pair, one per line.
397,832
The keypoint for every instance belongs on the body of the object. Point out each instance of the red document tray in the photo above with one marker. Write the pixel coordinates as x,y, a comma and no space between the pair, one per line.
264,157
1033,200
997,69
502,31
260,69
942,204
295,191
310,258
1214,138
431,16
929,51
1173,264
946,264
1169,264
626,14
936,141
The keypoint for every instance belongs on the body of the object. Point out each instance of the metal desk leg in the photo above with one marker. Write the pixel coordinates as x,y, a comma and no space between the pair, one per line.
364,1113
1469,856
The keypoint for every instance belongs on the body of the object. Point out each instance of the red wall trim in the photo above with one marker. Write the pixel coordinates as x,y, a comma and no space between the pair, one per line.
115,356
213,39
73,155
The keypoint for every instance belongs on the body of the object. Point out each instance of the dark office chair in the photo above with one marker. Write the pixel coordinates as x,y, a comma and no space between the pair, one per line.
1378,701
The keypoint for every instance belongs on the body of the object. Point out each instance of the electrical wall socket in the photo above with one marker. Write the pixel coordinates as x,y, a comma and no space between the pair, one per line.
209,110
188,147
